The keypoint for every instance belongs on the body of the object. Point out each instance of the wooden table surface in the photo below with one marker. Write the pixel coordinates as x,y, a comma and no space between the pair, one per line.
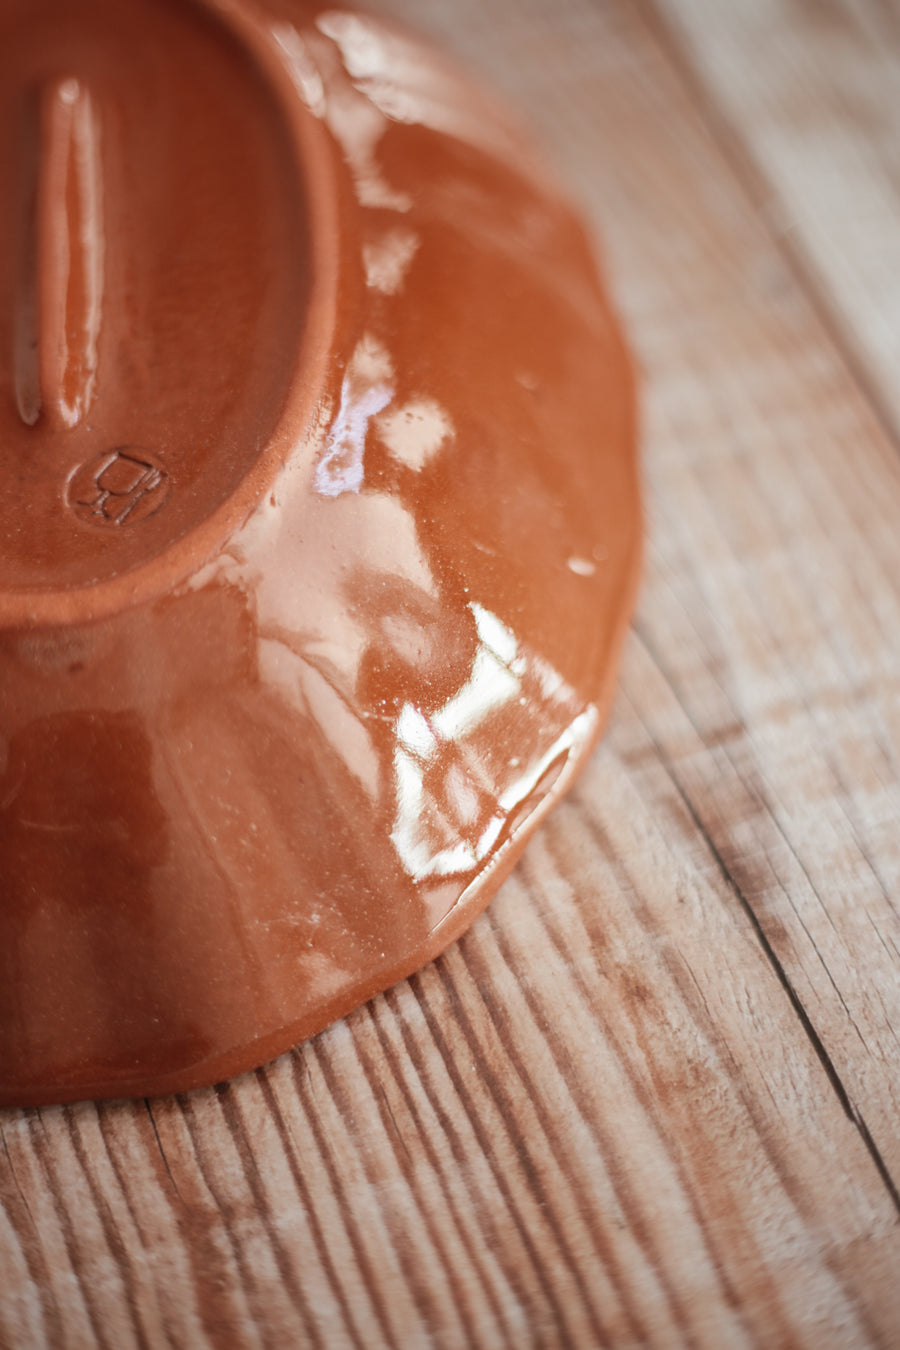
653,1098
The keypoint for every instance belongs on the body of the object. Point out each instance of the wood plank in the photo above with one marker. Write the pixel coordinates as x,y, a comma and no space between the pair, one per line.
809,94
650,1100
772,602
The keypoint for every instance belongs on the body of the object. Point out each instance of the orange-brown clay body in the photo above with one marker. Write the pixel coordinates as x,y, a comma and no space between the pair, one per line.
319,526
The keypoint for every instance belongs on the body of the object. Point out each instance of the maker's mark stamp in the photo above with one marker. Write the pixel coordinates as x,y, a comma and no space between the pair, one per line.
119,487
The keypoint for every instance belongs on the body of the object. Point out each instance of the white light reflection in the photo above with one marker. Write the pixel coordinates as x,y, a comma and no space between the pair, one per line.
407,83
315,66
448,816
415,432
301,67
387,260
366,390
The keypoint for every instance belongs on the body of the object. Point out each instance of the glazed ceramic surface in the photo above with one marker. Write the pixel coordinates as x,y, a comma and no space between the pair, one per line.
319,526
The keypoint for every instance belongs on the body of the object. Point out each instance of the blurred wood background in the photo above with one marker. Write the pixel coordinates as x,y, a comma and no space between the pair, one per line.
652,1099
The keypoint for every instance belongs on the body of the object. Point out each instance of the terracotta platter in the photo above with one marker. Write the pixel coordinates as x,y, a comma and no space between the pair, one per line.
319,526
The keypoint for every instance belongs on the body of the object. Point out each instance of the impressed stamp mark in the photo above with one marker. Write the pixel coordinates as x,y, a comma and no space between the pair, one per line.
119,487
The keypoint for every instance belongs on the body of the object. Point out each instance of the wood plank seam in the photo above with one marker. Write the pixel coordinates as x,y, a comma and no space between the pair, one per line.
162,1152
851,1112
754,183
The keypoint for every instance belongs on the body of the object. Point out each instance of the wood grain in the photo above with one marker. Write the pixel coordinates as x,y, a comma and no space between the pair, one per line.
809,96
652,1098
